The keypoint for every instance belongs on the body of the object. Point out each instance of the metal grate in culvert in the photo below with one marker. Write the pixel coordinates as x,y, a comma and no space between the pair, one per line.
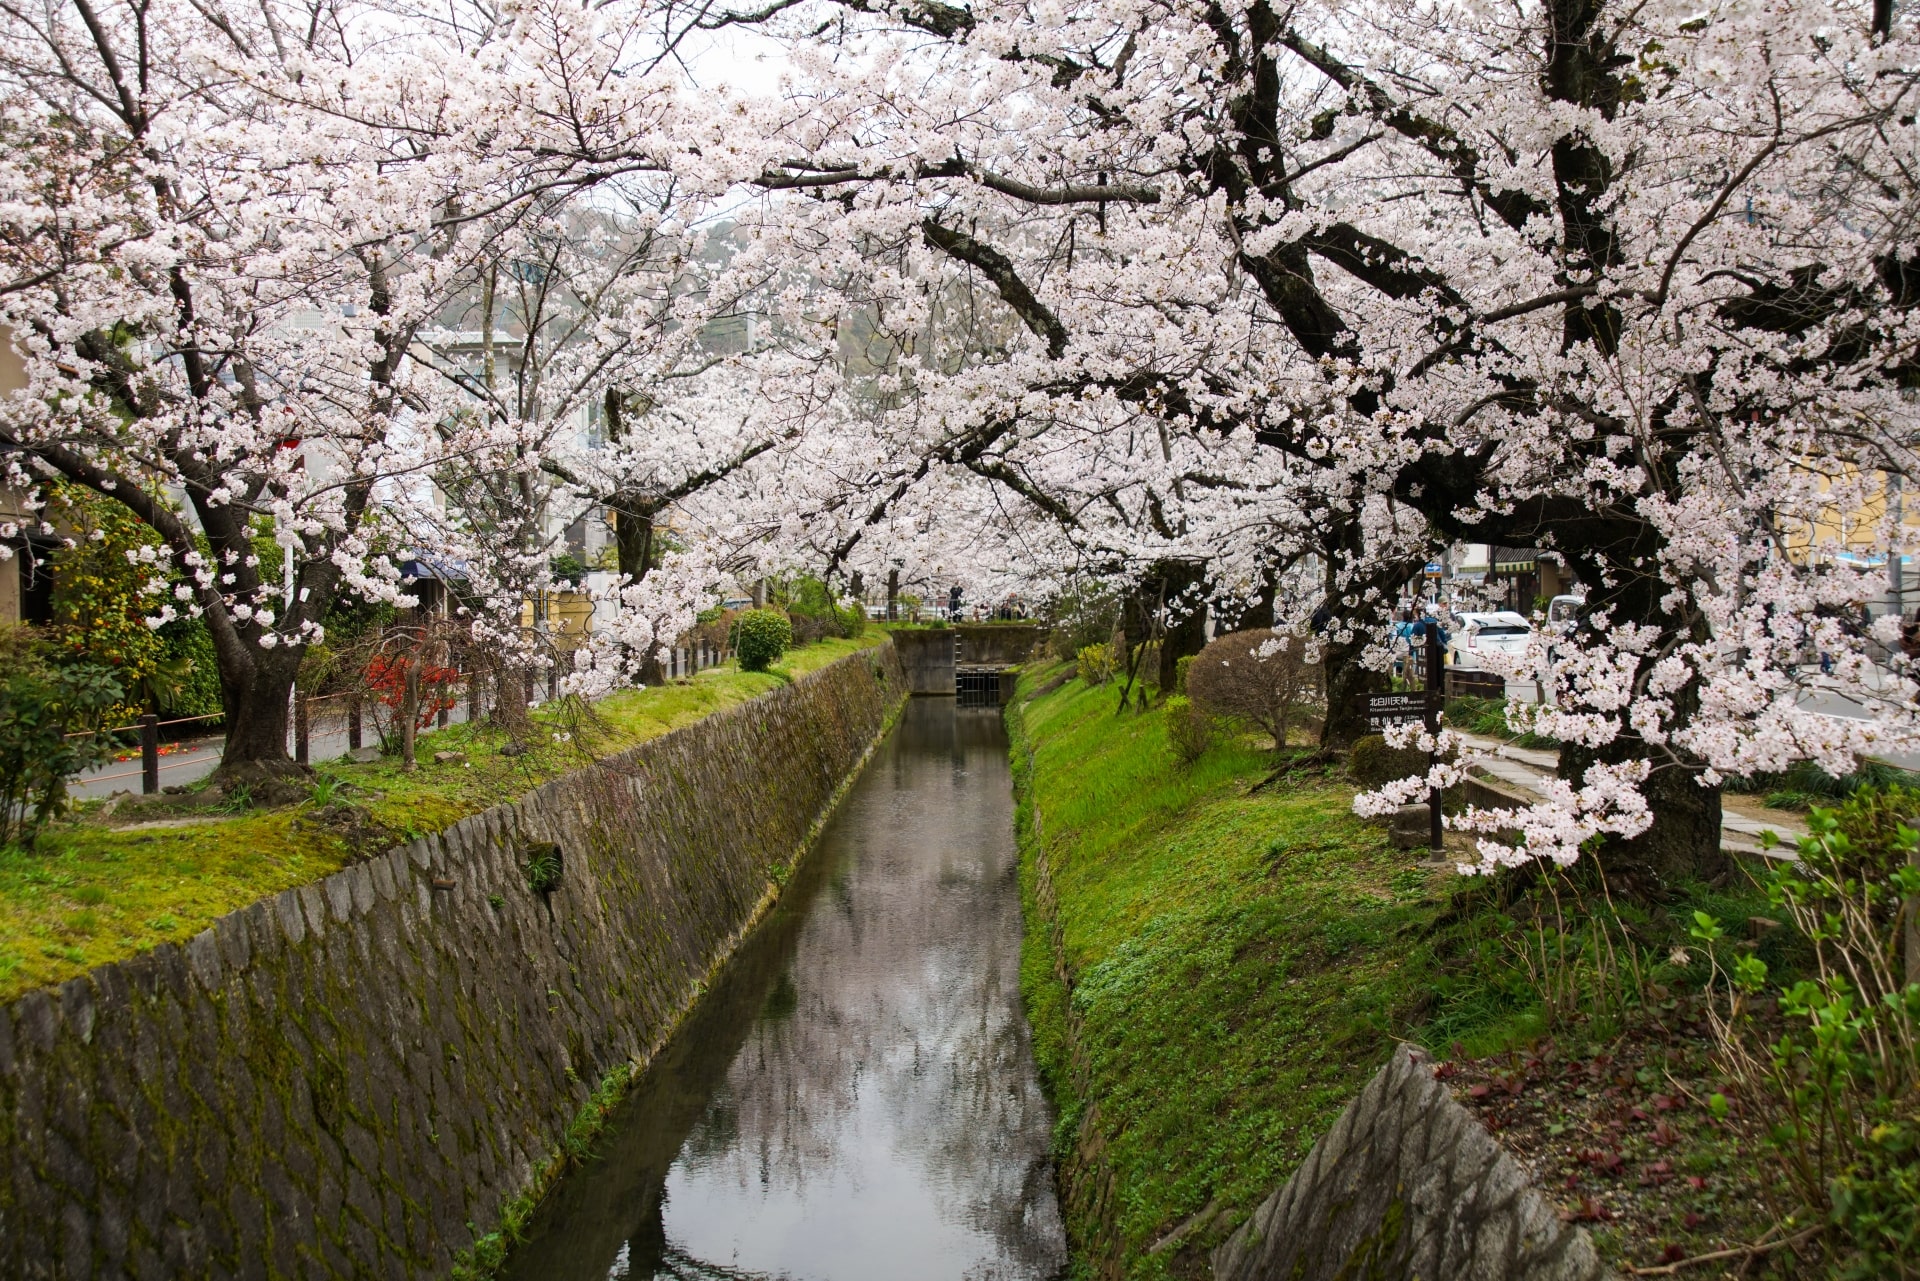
978,689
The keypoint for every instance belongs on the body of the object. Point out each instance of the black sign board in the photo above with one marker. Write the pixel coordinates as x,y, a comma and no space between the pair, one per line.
1382,710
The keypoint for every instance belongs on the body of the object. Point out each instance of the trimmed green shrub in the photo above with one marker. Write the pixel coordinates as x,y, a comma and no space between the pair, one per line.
1180,666
760,636
1189,729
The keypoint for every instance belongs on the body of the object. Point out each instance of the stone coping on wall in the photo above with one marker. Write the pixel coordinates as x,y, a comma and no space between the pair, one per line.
1407,1184
351,1078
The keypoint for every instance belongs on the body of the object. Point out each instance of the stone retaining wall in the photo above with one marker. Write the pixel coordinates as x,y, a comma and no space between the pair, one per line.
1406,1185
352,1078
926,655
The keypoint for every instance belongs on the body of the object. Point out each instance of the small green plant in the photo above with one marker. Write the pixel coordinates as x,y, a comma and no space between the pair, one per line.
1189,729
497,902
568,568
325,790
1839,1090
1095,664
760,637
90,895
543,869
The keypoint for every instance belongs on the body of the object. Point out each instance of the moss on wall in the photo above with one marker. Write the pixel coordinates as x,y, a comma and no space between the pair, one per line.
357,1077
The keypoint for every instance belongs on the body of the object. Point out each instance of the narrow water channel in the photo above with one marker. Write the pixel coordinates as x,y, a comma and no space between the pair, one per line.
856,1097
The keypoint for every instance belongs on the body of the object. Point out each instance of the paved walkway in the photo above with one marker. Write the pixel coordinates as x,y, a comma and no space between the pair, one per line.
1522,770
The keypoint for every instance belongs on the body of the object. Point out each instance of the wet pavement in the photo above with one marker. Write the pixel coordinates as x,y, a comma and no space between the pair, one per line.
856,1097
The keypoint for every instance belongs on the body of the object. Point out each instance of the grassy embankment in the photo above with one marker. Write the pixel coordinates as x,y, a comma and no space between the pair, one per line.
94,891
1237,963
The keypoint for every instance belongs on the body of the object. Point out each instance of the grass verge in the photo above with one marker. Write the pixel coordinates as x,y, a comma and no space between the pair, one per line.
1234,963
95,891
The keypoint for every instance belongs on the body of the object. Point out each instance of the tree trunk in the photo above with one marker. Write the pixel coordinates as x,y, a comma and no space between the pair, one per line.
893,595
1346,681
256,707
633,538
1185,635
409,712
1684,841
1258,614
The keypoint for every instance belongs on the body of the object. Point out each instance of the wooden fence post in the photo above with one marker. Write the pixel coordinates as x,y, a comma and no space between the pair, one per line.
149,753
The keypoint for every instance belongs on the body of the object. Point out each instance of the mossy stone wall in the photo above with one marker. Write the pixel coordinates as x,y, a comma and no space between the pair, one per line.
352,1078
1407,1186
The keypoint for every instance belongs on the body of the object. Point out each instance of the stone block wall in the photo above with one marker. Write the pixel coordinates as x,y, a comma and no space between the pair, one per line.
1407,1184
999,644
352,1078
926,656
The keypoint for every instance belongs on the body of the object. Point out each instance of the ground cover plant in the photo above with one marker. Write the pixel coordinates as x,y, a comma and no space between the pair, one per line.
94,891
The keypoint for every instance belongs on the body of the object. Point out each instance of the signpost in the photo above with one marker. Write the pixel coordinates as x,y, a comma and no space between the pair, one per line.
1382,710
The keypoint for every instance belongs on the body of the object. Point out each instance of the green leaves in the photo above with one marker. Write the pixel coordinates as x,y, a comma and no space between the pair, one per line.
1749,973
51,727
1706,929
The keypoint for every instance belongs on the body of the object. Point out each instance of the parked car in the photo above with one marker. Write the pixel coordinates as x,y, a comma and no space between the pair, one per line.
1477,634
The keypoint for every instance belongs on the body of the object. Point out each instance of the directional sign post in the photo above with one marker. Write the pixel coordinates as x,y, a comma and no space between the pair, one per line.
1382,710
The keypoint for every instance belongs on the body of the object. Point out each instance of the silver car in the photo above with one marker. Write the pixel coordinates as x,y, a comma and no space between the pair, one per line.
1497,632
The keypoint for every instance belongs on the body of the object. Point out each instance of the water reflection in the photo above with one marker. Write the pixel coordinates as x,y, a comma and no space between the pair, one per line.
856,1098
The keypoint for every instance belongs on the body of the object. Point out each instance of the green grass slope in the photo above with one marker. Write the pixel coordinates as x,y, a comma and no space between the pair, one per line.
1237,961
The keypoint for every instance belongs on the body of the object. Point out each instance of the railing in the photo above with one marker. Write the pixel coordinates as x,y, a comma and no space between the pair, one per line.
148,727
680,660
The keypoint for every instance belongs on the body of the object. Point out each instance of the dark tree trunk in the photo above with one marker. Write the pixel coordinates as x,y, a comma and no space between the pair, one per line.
1185,634
633,545
633,538
1346,681
1684,841
1258,614
256,708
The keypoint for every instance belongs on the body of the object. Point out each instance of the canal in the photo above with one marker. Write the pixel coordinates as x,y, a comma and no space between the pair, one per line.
856,1097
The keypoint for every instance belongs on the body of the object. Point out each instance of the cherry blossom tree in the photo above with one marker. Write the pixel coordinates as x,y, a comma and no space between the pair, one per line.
233,238
1627,282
